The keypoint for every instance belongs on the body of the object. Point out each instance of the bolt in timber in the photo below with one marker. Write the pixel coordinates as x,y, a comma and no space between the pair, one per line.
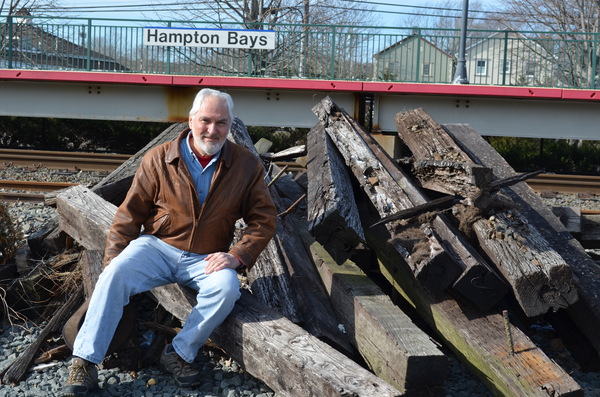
509,338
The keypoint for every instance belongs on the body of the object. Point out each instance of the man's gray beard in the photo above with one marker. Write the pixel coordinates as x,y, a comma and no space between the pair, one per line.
210,148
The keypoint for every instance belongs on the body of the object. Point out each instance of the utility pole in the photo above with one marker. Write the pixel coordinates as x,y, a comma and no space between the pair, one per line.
460,77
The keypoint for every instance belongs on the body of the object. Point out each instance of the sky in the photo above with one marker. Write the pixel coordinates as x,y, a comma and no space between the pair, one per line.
390,11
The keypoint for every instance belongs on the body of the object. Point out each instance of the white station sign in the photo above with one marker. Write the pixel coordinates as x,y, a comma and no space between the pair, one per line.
189,37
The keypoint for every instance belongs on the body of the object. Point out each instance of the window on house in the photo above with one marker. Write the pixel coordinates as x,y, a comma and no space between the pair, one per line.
481,67
427,69
507,65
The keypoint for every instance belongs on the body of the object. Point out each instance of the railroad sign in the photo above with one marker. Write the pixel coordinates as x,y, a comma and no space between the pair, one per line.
191,37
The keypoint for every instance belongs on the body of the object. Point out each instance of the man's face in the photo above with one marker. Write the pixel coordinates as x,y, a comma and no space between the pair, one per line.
210,126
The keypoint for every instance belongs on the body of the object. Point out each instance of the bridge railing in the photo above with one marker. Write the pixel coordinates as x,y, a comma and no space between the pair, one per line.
303,51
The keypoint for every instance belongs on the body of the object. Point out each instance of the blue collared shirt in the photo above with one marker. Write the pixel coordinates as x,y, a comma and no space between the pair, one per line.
202,176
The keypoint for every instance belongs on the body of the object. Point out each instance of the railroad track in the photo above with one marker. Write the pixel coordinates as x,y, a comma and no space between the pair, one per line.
62,160
28,186
565,183
74,161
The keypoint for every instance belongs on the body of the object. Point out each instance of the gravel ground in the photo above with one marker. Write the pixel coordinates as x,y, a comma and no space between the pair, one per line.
224,378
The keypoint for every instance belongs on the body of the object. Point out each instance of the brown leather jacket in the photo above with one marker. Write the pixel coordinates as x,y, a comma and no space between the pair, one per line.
163,200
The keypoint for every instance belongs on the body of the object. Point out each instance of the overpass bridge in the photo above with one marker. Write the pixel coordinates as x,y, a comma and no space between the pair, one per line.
490,110
525,84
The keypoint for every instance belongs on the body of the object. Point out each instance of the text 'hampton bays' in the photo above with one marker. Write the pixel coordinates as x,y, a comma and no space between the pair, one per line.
183,37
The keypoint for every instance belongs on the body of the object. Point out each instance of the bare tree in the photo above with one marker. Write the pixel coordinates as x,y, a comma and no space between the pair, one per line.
552,15
568,29
446,14
251,13
441,22
36,7
307,37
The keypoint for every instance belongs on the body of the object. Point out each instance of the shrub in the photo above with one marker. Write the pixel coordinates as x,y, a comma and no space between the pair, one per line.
550,155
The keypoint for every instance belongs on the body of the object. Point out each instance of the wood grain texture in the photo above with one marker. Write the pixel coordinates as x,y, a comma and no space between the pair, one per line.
586,311
477,338
332,215
395,349
391,190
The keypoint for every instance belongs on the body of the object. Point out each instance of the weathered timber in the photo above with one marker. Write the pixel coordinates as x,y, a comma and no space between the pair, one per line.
438,164
590,231
300,364
586,273
332,215
85,216
254,333
571,218
114,187
263,146
395,349
446,202
17,369
451,177
539,277
387,194
390,190
318,315
436,273
478,281
479,340
270,278
91,263
286,154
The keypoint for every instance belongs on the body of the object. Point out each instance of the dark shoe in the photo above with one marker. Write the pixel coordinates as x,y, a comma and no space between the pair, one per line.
184,373
83,377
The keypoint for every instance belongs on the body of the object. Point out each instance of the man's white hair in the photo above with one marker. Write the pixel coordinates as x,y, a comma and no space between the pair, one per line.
205,93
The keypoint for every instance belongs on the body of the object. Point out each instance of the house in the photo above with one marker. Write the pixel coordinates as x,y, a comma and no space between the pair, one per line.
413,59
34,47
509,58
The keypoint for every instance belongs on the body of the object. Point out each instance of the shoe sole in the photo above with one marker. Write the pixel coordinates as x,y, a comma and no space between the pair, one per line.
181,384
76,394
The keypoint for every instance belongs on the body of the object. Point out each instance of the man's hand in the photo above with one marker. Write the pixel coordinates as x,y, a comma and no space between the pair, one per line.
221,260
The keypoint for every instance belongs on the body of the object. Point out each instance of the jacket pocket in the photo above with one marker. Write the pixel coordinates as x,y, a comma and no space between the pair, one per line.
158,222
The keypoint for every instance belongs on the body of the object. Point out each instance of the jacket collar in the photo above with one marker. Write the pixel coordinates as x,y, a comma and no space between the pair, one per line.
174,154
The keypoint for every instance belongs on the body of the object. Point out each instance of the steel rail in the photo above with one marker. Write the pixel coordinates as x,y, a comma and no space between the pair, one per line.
62,160
561,183
35,185
21,197
74,161
8,193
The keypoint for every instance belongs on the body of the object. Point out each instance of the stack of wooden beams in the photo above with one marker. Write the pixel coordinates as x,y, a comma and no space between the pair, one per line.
455,232
457,271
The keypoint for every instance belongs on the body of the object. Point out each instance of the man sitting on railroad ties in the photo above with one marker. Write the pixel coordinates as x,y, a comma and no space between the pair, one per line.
187,195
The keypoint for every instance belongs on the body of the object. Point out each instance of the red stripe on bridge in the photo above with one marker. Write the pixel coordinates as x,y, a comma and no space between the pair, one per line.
302,84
